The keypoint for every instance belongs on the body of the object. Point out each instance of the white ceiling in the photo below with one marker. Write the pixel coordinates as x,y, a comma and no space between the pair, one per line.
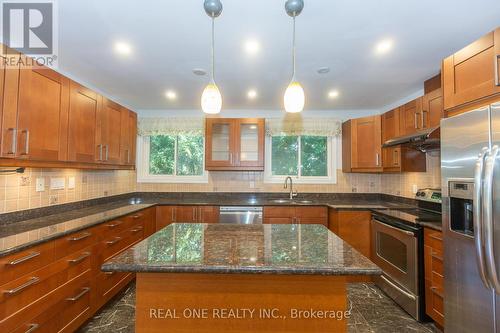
171,37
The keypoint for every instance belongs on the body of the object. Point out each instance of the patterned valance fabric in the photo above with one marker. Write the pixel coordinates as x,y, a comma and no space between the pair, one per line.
297,125
171,126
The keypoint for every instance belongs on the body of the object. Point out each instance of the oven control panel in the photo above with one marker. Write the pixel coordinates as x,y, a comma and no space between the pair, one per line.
429,194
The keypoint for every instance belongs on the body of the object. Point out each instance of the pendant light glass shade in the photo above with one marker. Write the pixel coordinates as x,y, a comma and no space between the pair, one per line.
211,99
294,98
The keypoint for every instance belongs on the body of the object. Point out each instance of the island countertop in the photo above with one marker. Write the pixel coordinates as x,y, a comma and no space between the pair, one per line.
248,249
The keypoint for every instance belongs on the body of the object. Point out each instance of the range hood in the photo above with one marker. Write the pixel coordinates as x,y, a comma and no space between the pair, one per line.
424,141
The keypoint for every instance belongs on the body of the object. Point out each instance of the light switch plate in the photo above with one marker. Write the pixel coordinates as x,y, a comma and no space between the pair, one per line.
57,183
40,184
414,188
71,182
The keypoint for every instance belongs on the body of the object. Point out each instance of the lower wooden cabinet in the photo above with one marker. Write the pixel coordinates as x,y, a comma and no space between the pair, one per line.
434,276
297,215
353,227
166,215
58,285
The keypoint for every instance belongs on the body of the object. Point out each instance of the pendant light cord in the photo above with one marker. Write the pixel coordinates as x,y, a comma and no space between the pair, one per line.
213,49
293,49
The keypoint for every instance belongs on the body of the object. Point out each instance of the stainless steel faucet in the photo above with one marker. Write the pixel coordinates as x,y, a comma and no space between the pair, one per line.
292,193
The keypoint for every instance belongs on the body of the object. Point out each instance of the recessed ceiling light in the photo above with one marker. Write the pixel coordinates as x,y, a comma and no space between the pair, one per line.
323,70
252,46
123,48
199,71
252,94
384,46
171,95
332,94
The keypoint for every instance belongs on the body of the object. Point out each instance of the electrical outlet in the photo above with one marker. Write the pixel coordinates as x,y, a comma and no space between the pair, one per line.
40,184
24,180
414,188
52,199
105,193
354,190
251,184
71,182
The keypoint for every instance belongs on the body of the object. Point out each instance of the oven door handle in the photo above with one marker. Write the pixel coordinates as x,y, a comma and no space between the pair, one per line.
404,292
478,216
409,233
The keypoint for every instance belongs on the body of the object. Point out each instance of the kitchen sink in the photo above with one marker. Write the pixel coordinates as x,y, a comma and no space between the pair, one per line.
291,201
302,201
281,200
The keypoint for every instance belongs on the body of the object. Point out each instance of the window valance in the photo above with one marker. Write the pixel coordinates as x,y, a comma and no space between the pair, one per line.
171,126
297,125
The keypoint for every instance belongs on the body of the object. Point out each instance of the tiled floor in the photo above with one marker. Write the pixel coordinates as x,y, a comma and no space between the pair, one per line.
372,312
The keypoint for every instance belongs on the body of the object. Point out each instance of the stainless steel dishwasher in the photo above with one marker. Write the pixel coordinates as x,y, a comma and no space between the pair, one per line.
240,215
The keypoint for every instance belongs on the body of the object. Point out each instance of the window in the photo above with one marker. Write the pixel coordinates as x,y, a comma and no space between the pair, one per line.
309,159
171,158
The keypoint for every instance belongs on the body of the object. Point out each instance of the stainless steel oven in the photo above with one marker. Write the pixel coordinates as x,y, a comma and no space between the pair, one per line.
395,249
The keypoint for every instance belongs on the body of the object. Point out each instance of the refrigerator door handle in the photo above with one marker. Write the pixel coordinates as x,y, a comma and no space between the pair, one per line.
489,172
478,216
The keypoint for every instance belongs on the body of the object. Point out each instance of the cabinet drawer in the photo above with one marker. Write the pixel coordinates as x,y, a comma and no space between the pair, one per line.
114,227
282,212
437,262
434,239
27,289
76,241
115,244
437,306
313,220
75,307
301,212
24,262
108,284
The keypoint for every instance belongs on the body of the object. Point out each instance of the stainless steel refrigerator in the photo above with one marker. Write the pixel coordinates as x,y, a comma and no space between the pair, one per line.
470,173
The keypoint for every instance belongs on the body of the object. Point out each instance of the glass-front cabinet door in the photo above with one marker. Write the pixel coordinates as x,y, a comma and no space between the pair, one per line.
250,143
234,144
219,144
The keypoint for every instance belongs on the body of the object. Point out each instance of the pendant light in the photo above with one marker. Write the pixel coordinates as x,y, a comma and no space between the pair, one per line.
211,99
294,98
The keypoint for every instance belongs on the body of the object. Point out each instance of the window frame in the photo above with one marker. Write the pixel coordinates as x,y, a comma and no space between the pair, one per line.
142,163
332,162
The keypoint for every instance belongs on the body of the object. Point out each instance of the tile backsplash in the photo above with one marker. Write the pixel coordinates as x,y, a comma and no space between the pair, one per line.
18,191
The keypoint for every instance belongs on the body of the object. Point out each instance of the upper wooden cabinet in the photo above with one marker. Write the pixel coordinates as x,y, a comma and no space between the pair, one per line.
234,144
110,131
432,109
473,72
362,145
411,117
9,86
390,125
84,110
128,137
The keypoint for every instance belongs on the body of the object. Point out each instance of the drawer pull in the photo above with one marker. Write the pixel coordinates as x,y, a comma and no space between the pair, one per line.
137,216
436,291
114,225
82,236
116,240
23,259
136,229
435,256
109,273
80,295
436,237
32,328
30,282
80,258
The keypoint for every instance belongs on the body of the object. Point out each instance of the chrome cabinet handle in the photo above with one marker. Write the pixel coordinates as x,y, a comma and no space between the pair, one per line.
478,216
109,273
33,280
78,238
136,216
136,229
497,75
99,146
113,242
404,292
107,152
114,225
80,295
194,214
423,119
201,214
416,120
406,232
172,213
13,147
32,328
395,153
489,171
80,258
26,142
377,159
231,158
23,259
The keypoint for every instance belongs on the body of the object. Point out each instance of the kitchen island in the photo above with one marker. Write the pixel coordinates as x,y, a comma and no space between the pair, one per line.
242,278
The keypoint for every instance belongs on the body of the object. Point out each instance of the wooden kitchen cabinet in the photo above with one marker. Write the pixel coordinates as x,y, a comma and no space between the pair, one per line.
472,73
295,214
84,109
353,227
434,276
166,215
9,87
404,159
362,145
411,117
128,137
390,125
234,144
110,124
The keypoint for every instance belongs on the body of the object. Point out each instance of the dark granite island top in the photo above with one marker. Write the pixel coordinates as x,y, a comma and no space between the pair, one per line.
248,249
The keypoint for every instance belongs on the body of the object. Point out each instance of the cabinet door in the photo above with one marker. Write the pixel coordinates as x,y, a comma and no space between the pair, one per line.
164,216
84,108
432,109
472,73
132,141
354,228
390,125
111,122
9,84
392,158
367,143
125,157
43,115
184,214
410,116
220,143
250,143
208,214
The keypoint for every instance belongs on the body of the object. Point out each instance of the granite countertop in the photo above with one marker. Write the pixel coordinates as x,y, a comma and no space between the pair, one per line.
20,230
247,249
